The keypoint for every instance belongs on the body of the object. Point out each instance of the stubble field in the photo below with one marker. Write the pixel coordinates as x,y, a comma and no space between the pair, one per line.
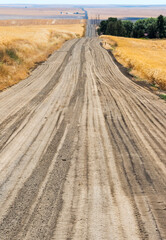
27,22
22,47
145,58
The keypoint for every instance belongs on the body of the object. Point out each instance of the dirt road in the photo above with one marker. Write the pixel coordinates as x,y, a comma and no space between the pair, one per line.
82,152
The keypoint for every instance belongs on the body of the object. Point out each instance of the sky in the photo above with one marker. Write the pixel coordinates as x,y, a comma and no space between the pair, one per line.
76,2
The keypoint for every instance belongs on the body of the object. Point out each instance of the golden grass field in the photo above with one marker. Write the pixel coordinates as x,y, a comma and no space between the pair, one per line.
126,12
146,58
22,47
26,22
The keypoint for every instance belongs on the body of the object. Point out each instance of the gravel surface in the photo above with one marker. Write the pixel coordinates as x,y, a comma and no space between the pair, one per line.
82,152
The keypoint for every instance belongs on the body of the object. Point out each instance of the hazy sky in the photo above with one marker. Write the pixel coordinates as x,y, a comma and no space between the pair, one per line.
83,1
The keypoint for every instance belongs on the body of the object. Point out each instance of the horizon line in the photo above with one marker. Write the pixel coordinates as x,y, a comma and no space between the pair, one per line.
83,4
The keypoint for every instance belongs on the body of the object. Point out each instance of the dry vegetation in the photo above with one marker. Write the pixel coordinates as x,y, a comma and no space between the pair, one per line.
145,58
27,22
21,48
126,12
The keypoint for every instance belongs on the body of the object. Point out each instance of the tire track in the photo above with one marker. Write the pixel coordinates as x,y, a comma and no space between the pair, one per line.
116,128
82,155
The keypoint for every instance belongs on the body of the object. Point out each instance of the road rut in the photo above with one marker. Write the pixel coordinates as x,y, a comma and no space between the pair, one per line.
82,152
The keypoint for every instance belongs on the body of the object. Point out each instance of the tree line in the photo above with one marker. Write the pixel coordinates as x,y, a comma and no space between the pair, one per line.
149,28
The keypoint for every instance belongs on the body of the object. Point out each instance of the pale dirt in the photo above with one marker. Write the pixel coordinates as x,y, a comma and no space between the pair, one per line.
82,152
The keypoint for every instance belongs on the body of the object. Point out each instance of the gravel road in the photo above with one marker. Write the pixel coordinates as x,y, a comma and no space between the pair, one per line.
82,152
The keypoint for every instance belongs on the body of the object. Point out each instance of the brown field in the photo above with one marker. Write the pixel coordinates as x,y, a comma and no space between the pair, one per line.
145,58
26,22
21,48
38,12
105,13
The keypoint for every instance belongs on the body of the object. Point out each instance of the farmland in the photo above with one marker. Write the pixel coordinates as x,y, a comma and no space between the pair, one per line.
77,12
126,11
22,47
26,22
37,12
145,58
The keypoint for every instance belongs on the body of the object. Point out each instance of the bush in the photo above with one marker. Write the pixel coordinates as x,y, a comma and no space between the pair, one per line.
12,54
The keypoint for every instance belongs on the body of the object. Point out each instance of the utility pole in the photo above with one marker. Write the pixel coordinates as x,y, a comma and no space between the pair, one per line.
99,20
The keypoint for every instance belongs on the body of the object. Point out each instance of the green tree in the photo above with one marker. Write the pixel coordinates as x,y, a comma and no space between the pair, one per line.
150,27
120,28
111,19
139,29
111,28
152,30
102,27
115,27
160,26
128,25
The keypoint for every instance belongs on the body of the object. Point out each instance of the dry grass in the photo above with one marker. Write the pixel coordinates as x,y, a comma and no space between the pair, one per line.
146,58
21,48
27,22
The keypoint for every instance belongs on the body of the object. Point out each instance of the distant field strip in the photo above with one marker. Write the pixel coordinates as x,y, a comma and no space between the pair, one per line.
21,48
125,12
37,12
24,22
145,58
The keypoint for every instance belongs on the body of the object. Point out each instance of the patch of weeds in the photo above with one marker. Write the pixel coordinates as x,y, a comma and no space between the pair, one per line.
129,70
162,96
1,55
138,79
154,85
113,46
12,54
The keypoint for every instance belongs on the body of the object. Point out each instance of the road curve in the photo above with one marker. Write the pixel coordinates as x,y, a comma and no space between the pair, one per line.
82,152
